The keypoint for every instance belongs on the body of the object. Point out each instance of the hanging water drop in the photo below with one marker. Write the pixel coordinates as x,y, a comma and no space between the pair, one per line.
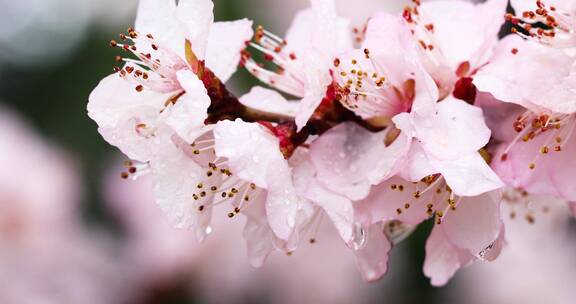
359,237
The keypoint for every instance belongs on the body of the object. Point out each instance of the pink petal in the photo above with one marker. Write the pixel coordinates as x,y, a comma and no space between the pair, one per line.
417,165
510,77
226,41
475,224
400,60
396,194
373,258
552,174
442,258
464,31
349,159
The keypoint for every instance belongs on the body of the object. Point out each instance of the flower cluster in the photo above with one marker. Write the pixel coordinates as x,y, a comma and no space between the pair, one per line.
423,115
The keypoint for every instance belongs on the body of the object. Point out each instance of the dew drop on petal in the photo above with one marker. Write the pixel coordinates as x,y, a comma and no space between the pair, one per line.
359,237
484,255
208,230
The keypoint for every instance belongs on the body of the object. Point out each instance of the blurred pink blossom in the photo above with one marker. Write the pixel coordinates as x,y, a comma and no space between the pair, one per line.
46,255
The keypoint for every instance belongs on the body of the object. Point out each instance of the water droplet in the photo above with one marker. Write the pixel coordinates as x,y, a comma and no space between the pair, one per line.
359,237
208,230
485,254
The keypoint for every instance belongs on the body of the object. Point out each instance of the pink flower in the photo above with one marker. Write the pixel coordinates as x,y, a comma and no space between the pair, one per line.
540,79
235,163
303,59
261,172
40,226
439,137
467,228
456,37
161,89
385,77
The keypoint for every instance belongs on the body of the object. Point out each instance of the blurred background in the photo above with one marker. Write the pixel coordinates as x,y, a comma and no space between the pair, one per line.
72,231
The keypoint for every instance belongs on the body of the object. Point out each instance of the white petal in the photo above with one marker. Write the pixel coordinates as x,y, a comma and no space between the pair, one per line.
114,97
254,155
250,149
317,81
257,233
226,41
188,114
158,17
334,33
175,177
197,17
270,101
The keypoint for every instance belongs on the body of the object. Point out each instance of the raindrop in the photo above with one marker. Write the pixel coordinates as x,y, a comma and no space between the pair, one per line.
485,254
208,230
359,237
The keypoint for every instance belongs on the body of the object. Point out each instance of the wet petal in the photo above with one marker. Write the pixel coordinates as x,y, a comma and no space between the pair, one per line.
197,18
187,115
226,41
476,222
442,258
349,159
469,175
457,128
373,258
270,101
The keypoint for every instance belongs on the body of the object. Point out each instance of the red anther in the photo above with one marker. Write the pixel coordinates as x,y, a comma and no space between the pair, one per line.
518,126
465,90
